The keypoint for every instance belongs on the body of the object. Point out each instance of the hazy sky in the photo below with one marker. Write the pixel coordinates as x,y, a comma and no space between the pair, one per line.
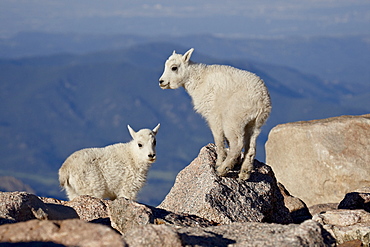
238,17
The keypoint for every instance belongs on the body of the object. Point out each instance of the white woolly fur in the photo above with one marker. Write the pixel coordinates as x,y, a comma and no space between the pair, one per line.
234,102
117,170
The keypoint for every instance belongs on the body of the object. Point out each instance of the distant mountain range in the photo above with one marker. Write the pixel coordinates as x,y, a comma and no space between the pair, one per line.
8,183
336,59
60,93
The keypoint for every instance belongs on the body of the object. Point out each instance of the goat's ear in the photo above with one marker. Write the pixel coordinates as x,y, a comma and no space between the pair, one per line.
155,130
187,55
174,52
132,132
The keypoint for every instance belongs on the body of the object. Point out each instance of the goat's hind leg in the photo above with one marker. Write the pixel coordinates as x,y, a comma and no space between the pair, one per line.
249,154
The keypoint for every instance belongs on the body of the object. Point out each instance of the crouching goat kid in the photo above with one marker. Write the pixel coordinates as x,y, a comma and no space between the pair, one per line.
118,170
234,102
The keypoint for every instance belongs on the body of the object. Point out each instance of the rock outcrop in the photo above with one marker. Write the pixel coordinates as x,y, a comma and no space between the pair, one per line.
86,207
59,233
140,225
359,199
321,160
308,233
297,208
242,206
346,225
22,206
153,236
350,221
126,215
202,209
199,191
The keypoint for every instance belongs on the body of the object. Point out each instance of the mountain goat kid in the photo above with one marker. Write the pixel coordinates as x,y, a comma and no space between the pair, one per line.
234,102
118,170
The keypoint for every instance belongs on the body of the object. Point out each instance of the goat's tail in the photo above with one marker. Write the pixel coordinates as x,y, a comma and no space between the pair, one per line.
63,179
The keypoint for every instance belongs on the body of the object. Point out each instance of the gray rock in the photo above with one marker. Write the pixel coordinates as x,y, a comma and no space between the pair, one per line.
343,217
297,208
153,236
346,225
199,191
67,233
126,215
22,206
359,199
89,208
356,233
308,233
319,161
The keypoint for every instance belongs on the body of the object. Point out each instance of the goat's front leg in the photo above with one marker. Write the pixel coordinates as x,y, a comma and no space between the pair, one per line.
249,156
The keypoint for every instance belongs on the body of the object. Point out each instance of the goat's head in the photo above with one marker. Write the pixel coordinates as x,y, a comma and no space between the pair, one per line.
175,72
144,143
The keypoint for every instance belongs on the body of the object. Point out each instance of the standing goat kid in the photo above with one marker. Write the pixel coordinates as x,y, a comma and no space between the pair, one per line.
118,170
234,102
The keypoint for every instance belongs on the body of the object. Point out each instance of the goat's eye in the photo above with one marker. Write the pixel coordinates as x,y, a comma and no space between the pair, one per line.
174,68
140,145
154,142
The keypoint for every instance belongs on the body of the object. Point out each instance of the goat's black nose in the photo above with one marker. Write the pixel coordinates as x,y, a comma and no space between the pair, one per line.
151,155
161,81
